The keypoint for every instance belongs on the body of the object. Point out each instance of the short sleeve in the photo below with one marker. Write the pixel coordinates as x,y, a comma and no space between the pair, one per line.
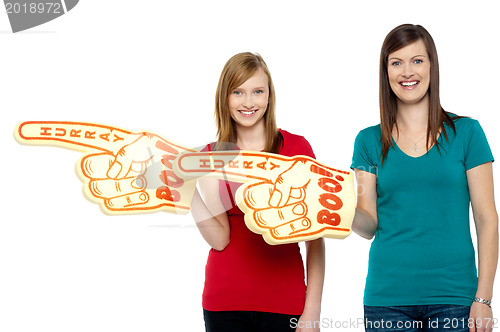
478,150
304,148
295,145
364,156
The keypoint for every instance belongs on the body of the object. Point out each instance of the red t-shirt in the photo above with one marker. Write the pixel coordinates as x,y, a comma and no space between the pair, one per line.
250,274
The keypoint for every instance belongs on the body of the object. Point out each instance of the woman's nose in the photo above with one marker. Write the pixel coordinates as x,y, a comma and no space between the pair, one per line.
248,102
408,71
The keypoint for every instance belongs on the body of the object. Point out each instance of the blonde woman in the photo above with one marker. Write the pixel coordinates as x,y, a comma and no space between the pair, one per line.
250,285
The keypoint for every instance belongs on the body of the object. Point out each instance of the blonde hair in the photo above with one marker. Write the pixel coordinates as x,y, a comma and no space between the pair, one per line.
236,71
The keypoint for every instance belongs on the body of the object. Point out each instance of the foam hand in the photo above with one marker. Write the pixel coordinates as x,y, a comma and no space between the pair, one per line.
284,199
123,171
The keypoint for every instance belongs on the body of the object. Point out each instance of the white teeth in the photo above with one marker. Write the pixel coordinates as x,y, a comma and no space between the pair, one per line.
409,83
247,112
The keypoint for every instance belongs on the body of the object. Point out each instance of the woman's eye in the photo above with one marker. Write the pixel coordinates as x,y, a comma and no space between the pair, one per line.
258,92
418,61
396,63
237,93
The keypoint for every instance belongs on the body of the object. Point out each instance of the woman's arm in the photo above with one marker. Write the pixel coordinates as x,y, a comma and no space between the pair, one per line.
210,215
365,220
480,181
315,261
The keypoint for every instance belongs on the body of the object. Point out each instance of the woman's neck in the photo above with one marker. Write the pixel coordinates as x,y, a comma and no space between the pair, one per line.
251,138
413,117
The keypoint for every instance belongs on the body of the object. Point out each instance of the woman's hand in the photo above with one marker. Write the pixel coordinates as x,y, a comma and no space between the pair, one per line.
481,318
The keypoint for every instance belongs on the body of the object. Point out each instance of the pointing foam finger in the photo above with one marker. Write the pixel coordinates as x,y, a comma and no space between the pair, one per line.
72,135
239,166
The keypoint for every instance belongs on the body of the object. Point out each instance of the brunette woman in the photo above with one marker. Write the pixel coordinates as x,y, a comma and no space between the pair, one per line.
417,173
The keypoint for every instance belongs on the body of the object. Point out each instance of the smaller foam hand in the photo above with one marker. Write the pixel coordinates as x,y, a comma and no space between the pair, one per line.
284,199
123,171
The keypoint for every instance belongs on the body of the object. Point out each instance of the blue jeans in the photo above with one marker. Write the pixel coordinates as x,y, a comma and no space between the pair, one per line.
438,317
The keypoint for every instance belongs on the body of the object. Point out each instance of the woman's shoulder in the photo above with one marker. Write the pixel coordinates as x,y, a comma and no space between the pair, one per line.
295,145
288,136
370,133
372,129
464,123
291,140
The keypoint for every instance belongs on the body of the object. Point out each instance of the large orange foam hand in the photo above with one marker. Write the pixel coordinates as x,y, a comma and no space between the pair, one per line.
123,171
284,199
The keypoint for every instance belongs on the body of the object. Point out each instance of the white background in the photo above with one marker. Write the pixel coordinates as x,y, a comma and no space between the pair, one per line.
154,65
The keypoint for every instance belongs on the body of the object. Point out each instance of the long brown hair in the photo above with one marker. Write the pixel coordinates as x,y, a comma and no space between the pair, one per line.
398,38
237,70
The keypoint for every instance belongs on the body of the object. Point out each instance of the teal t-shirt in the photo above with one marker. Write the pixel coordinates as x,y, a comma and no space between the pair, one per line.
422,252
